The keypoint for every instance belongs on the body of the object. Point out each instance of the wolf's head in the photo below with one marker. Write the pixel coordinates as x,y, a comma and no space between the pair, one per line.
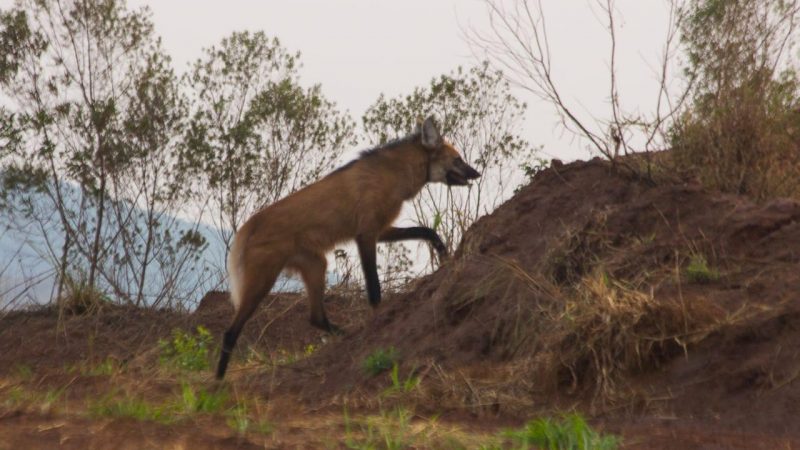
445,163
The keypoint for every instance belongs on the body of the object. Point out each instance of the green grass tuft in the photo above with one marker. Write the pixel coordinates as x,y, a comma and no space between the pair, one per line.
391,431
400,386
238,419
105,368
201,401
570,433
133,408
187,351
188,402
380,361
699,272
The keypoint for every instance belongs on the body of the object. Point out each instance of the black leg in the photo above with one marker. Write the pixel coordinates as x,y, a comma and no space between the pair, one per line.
228,342
366,249
325,325
246,309
403,234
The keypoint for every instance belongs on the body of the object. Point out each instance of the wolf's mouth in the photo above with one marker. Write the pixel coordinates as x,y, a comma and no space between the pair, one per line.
460,176
454,178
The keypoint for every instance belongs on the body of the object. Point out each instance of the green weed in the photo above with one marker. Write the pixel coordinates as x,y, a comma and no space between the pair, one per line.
20,397
238,418
188,402
400,386
186,351
571,433
105,368
390,431
698,270
133,408
50,398
380,360
310,349
201,401
14,397
400,428
285,357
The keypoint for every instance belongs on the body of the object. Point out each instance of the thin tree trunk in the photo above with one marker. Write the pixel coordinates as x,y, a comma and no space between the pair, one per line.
62,268
95,255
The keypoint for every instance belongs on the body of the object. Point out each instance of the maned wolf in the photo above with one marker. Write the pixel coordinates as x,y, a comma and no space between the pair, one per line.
357,201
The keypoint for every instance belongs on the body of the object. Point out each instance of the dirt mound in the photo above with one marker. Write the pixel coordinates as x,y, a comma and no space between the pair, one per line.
593,289
666,313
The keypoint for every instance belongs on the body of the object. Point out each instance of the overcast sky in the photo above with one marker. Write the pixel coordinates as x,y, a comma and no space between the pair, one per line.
358,49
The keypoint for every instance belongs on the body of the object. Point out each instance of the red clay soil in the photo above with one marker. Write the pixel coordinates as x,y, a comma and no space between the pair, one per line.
53,349
34,431
707,363
732,373
39,339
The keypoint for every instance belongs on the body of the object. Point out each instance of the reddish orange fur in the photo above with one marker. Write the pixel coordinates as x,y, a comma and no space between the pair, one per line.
363,199
360,201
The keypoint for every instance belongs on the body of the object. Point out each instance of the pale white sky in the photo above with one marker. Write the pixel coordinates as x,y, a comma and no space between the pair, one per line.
358,49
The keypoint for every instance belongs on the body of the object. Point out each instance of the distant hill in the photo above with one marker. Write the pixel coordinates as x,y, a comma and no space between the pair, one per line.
27,275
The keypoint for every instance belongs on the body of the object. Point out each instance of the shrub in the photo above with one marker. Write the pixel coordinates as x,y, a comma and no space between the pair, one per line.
698,270
571,433
80,298
391,430
133,408
399,385
201,401
741,132
239,420
380,361
186,351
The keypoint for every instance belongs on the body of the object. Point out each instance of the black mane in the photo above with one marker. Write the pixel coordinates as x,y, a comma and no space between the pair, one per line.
377,150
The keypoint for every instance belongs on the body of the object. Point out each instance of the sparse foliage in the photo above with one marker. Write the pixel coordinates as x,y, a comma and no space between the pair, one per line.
570,433
256,135
81,298
380,361
400,385
518,43
201,400
90,165
740,133
482,119
698,270
187,351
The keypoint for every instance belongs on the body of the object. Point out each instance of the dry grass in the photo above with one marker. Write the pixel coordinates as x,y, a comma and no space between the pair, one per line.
81,299
575,324
742,149
607,330
574,255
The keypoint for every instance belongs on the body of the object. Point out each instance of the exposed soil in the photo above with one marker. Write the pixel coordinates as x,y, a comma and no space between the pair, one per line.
660,311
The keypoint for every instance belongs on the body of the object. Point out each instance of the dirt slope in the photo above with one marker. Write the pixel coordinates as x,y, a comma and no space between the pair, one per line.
587,257
663,312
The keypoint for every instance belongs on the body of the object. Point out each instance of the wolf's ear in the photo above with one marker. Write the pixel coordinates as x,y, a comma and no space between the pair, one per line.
431,139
